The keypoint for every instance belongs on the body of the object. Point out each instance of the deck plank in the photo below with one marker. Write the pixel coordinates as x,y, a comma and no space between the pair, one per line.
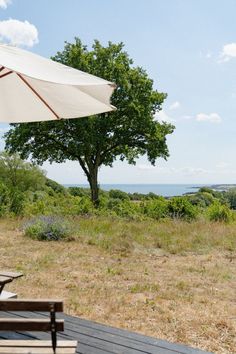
95,338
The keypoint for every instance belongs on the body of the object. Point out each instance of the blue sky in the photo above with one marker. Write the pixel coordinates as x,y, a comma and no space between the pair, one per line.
188,48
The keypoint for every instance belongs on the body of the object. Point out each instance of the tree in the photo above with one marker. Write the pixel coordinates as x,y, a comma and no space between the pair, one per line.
20,175
127,133
16,178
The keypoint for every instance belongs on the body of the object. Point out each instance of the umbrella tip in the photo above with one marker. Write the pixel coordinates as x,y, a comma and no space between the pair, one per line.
113,85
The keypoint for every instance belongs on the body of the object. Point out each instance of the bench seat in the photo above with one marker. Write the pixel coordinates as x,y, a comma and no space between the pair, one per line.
36,347
21,324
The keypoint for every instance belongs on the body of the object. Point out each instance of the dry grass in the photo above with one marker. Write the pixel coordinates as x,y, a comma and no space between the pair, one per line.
116,274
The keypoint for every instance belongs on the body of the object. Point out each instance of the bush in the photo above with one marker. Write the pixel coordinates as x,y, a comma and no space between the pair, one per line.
48,228
17,202
181,208
216,194
122,208
230,196
156,208
201,199
55,187
117,194
4,199
219,212
84,206
79,191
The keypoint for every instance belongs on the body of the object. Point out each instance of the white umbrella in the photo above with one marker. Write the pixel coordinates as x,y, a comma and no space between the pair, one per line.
33,88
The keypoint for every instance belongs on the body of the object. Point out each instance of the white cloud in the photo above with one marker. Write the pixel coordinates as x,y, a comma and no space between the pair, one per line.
174,105
145,167
192,171
18,33
212,117
4,3
186,171
228,52
164,117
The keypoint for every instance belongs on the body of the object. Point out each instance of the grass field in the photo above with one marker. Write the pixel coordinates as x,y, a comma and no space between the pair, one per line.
173,280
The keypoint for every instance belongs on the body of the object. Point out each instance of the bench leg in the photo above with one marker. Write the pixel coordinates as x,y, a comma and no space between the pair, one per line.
1,288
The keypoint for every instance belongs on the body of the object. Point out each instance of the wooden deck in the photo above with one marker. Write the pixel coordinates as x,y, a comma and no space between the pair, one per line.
95,338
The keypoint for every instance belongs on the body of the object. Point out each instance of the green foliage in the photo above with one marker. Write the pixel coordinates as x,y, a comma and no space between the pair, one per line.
202,199
123,208
156,208
79,192
126,133
117,194
220,212
48,229
137,196
84,206
55,187
181,208
230,197
18,177
214,193
17,201
4,199
18,174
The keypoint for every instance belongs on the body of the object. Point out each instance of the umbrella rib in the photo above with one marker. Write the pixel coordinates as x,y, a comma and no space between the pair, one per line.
8,73
37,94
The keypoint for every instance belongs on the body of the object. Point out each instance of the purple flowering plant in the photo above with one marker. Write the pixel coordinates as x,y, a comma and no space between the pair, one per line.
48,228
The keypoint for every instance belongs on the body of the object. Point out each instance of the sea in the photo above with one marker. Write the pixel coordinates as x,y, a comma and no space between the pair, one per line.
165,190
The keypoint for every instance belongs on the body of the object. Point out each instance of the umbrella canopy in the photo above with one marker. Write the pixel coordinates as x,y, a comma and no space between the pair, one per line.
33,88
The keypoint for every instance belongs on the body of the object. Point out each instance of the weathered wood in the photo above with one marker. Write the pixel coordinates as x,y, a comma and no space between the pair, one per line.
4,280
7,277
113,339
18,324
30,305
96,338
35,350
36,347
37,343
12,275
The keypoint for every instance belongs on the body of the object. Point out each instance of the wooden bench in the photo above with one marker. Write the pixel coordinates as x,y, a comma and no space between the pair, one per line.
50,324
5,278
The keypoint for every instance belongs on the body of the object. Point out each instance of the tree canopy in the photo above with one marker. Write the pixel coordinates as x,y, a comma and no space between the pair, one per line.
21,175
127,133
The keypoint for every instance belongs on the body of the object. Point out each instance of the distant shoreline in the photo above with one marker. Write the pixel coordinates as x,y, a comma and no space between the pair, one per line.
222,187
165,190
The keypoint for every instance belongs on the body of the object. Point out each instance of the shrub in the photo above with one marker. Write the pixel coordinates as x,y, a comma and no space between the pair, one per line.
56,187
85,206
216,194
230,196
219,212
156,208
201,199
181,208
122,208
17,202
137,196
48,228
117,194
4,199
79,192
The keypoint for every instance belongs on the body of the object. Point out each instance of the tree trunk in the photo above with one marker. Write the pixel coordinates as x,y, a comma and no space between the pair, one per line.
93,182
